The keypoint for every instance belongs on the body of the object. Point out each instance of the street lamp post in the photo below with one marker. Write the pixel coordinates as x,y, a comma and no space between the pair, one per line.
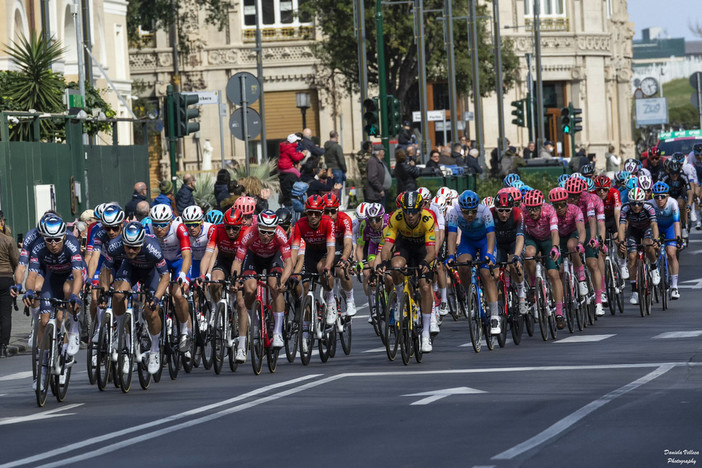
303,103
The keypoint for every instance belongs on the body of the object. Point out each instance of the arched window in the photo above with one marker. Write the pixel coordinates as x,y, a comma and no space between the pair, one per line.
69,40
20,26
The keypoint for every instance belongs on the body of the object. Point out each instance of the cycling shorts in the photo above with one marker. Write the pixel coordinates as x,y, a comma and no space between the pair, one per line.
474,248
504,251
312,258
149,279
589,251
255,264
413,254
224,264
543,247
564,241
52,289
668,233
636,236
174,267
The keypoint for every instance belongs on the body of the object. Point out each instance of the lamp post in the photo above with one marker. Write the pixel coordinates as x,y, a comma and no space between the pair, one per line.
303,103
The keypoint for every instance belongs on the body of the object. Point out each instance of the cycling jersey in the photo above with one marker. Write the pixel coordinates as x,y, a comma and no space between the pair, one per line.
198,245
226,247
657,171
541,228
30,240
476,229
599,207
567,224
439,219
149,256
421,234
668,215
174,243
639,221
690,172
697,165
343,229
92,232
587,205
315,239
369,238
252,242
41,260
678,187
612,202
506,232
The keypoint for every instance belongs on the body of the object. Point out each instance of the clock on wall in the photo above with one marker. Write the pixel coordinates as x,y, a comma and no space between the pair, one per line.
649,86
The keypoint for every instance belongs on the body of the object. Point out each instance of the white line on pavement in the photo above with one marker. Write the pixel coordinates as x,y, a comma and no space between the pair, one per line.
584,338
158,422
375,350
43,415
17,376
679,334
573,418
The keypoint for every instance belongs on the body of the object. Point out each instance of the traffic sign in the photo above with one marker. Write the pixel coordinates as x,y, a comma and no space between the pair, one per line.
695,80
432,116
204,97
252,89
253,123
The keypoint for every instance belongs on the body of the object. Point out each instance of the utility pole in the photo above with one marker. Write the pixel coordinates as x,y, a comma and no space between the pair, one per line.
78,23
539,82
382,79
259,66
359,11
498,86
453,95
85,5
478,105
422,72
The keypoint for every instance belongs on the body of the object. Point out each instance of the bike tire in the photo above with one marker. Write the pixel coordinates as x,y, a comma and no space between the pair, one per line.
502,306
62,389
568,303
257,341
529,323
324,344
189,362
452,298
392,327
381,302
475,325
126,354
172,351
104,358
44,373
417,339
89,352
218,343
610,286
641,287
306,311
541,307
291,329
405,333
649,292
665,283
516,318
346,335
233,319
271,353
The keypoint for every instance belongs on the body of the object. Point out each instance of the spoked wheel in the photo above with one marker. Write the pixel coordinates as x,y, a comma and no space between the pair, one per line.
516,318
392,329
541,308
257,344
90,355
340,305
405,333
104,355
568,302
143,342
171,329
452,296
381,302
502,306
233,318
188,355
641,288
611,283
664,285
475,324
292,329
306,338
346,334
417,339
45,363
126,357
529,319
218,343
161,356
62,388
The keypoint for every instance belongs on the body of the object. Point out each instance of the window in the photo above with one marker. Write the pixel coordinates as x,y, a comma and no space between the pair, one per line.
609,8
549,8
274,13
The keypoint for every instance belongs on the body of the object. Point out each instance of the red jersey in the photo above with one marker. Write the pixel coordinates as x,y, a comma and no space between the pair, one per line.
612,202
343,227
315,239
252,241
227,247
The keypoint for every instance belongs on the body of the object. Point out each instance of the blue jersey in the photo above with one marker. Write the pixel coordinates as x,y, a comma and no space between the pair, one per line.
669,215
148,258
623,195
41,260
477,229
30,240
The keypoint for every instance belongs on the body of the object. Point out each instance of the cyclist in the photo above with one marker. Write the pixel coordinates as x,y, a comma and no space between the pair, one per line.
440,280
611,199
509,237
571,230
541,236
215,217
138,259
588,171
199,232
695,159
360,216
655,164
668,218
411,241
285,221
370,236
343,233
174,240
477,242
59,261
638,225
680,190
247,206
218,263
265,248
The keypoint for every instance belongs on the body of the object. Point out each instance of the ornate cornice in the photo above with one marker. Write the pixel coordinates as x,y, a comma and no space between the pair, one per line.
583,44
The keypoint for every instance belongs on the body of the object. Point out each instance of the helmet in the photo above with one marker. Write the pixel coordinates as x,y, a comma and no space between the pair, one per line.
468,200
563,177
193,214
697,148
621,176
660,187
588,170
632,165
488,201
518,184
557,194
267,219
562,184
411,201
161,214
314,203
678,157
330,200
574,186
674,166
453,194
374,210
112,215
602,181
214,217
99,209
654,151
504,200
637,195
534,198
631,182
525,189
443,191
645,182
576,175
247,205
590,185
439,200
52,226
233,217
361,210
511,179
516,194
425,193
398,200
284,217
133,234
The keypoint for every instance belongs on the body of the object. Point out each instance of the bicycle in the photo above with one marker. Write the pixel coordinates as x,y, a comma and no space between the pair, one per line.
470,303
291,323
613,278
225,329
408,322
343,321
314,310
132,343
572,304
541,299
375,307
662,291
262,325
643,281
508,304
53,366
202,331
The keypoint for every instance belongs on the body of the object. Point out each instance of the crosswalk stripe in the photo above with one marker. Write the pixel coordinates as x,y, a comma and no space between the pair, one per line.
584,338
678,334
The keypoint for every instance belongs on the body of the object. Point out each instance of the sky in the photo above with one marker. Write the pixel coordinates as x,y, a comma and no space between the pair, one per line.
672,15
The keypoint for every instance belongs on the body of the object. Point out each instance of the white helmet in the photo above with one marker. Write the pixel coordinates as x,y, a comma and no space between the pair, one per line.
453,194
161,213
425,193
361,210
488,202
645,182
444,191
193,214
112,215
439,200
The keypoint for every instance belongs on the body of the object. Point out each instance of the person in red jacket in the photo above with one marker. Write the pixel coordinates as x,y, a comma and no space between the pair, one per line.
290,156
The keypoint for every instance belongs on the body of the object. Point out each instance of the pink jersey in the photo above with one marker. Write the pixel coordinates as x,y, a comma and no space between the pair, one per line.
599,207
567,222
252,242
587,205
540,229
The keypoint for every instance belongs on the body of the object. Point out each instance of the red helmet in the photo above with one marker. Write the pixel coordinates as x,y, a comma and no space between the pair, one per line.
504,200
602,181
233,217
398,200
534,198
314,203
558,194
654,151
575,186
516,193
331,200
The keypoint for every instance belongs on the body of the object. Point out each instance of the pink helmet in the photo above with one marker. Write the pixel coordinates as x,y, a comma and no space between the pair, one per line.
247,205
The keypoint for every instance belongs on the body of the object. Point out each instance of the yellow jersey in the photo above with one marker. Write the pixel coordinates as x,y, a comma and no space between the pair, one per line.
423,232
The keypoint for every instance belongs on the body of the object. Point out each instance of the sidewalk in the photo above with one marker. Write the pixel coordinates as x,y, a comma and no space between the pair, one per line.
21,326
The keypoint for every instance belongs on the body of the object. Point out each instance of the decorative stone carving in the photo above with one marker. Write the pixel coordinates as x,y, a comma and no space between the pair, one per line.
578,73
594,43
143,61
223,56
165,59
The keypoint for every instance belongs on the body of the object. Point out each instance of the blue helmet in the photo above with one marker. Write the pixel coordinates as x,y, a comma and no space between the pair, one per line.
621,176
562,184
511,179
112,215
214,217
524,189
517,184
632,182
563,178
133,234
468,200
660,187
590,185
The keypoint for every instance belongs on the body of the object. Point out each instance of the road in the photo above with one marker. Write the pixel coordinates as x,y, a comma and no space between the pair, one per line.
624,392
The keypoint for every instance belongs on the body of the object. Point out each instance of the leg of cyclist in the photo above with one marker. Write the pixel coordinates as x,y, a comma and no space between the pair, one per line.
328,285
632,239
442,282
652,257
673,268
578,266
530,265
347,286
72,338
591,260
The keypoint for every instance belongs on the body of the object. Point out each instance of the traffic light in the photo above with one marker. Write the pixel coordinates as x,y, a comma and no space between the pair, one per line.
371,124
576,120
183,114
566,124
518,112
394,109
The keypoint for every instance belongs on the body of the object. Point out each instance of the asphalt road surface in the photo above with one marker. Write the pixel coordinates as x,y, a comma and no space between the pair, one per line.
626,392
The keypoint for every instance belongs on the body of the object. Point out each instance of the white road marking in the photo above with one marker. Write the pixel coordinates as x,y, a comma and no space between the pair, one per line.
573,418
375,350
43,415
434,395
679,334
17,376
584,338
361,316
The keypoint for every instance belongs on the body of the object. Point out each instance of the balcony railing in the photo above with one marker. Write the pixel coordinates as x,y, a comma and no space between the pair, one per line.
549,24
287,33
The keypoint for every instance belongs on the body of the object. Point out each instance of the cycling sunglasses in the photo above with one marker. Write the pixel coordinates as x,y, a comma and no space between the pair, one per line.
232,228
533,209
112,228
53,240
661,196
192,225
559,205
636,203
313,213
160,225
503,210
469,212
330,211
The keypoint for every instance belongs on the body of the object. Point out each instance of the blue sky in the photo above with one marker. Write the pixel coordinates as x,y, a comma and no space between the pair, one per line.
672,15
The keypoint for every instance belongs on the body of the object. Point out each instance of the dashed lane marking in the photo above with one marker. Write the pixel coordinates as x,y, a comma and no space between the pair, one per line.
678,334
584,338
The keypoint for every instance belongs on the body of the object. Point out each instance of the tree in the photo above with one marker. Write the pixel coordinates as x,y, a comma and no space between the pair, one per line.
337,51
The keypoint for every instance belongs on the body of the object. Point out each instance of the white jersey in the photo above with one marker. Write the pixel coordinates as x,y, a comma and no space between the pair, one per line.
690,172
355,224
439,212
199,244
174,243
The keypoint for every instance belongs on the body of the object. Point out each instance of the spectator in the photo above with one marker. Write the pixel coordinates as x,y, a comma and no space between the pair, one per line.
433,162
458,155
404,139
4,228
221,188
472,163
138,195
613,162
290,156
406,172
334,159
377,172
445,158
547,150
411,152
166,195
578,161
511,161
9,258
184,197
141,213
530,151
306,143
323,183
465,145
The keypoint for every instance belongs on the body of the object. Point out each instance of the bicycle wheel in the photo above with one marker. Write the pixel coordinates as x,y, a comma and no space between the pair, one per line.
340,305
171,350
306,338
475,323
104,355
46,351
233,327
568,303
529,318
218,343
392,328
541,308
452,296
665,281
550,311
271,353
207,338
649,291
324,343
417,339
291,328
516,318
610,286
503,307
405,333
381,302
144,343
256,343
346,335
90,353
62,388
641,287
126,357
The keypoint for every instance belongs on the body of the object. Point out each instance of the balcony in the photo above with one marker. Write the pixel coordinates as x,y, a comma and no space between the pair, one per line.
549,24
281,34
